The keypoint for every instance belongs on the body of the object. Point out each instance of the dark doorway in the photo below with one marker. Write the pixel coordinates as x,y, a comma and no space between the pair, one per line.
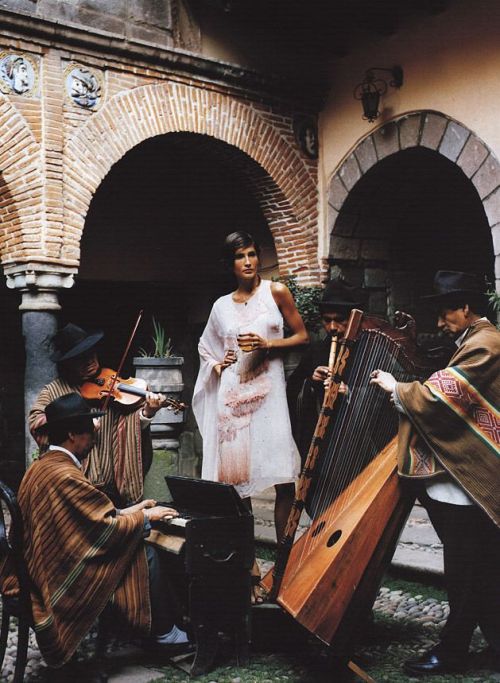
410,215
153,237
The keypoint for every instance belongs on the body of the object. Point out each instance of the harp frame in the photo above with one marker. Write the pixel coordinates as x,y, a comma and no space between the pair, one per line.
355,572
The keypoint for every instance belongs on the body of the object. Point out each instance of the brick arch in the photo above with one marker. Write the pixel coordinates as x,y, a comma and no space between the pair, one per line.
286,190
434,131
21,187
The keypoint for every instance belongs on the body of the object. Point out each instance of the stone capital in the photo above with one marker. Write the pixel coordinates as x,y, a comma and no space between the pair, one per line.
39,287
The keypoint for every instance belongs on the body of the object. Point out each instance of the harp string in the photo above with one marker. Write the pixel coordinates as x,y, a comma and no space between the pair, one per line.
335,473
360,427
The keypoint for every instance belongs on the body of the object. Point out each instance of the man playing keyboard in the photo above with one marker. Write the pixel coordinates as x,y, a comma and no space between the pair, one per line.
83,554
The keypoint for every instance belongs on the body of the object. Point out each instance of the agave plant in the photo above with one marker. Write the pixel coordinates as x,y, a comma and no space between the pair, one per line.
162,345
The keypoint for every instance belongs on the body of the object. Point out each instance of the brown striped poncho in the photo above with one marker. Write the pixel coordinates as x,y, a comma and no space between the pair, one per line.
79,556
115,464
452,421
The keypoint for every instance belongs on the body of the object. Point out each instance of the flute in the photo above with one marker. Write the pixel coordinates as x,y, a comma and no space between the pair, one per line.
333,353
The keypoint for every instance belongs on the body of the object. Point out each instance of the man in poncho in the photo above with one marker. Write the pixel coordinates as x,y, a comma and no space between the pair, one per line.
122,452
82,553
449,438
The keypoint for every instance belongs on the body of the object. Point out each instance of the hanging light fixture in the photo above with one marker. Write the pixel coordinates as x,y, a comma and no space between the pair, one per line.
371,88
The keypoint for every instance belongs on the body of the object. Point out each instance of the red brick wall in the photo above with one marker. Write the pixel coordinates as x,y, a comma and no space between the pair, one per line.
54,156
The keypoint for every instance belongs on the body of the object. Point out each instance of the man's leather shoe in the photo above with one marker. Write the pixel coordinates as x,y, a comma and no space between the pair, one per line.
433,662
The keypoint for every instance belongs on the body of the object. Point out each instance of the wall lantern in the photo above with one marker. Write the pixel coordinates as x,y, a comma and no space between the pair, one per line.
371,88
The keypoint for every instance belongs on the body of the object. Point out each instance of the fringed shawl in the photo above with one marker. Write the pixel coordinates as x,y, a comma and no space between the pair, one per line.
452,421
80,555
115,464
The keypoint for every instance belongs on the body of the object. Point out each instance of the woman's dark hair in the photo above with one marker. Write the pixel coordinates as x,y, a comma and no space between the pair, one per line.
237,240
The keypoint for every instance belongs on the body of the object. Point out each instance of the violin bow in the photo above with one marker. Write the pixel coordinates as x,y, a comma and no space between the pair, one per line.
122,361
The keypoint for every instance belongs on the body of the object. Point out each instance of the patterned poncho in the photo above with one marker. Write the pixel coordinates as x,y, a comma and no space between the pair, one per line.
80,555
452,421
116,463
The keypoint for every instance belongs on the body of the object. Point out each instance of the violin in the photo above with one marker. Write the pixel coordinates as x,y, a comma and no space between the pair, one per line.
128,392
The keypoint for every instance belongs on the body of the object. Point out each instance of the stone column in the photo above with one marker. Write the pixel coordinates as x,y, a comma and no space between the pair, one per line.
39,308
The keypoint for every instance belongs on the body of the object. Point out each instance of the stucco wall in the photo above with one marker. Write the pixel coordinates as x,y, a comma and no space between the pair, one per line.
451,63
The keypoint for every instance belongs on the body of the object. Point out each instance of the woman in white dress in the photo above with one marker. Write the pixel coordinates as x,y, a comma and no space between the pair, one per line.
239,399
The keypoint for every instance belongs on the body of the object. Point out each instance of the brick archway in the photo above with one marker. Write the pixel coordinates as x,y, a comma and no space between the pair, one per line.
21,188
436,132
286,190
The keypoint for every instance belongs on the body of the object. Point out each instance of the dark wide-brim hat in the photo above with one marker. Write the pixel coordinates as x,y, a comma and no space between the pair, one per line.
72,341
69,407
448,283
339,294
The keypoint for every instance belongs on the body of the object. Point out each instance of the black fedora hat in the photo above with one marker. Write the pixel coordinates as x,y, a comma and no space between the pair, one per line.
339,294
448,283
72,341
68,407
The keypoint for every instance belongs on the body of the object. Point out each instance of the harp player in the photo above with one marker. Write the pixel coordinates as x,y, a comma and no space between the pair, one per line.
449,440
306,384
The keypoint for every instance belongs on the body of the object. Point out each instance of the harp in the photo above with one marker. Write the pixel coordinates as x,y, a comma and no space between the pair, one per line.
328,579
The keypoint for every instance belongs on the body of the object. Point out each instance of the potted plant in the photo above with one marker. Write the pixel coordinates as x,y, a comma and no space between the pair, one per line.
162,370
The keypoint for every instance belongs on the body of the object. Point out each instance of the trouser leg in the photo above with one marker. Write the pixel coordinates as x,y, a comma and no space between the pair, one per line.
469,567
489,583
162,613
460,572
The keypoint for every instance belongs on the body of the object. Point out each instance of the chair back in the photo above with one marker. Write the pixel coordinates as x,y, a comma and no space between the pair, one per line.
11,543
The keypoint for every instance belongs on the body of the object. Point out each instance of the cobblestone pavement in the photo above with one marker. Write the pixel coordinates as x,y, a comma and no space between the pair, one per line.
395,605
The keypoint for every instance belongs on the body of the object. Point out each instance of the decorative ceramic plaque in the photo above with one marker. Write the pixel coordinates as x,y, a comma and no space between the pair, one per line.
83,86
18,74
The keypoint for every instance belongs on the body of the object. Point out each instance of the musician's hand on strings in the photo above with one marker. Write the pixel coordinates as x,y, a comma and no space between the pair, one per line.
384,380
229,359
153,404
249,341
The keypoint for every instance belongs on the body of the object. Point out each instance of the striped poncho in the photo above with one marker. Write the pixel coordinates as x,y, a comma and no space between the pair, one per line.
80,555
116,463
452,421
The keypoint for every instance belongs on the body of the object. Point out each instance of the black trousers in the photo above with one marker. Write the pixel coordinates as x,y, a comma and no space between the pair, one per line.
162,603
471,548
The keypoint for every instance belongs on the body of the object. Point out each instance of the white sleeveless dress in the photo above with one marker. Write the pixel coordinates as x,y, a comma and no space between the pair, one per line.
243,415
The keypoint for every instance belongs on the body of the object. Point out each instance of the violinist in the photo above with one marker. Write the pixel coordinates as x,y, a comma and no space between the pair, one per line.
122,453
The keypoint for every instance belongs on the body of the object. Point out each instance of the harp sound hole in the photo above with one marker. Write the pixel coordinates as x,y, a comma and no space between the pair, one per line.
318,529
334,538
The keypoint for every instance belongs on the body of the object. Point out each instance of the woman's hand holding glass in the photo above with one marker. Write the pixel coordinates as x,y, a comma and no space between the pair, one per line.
249,341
